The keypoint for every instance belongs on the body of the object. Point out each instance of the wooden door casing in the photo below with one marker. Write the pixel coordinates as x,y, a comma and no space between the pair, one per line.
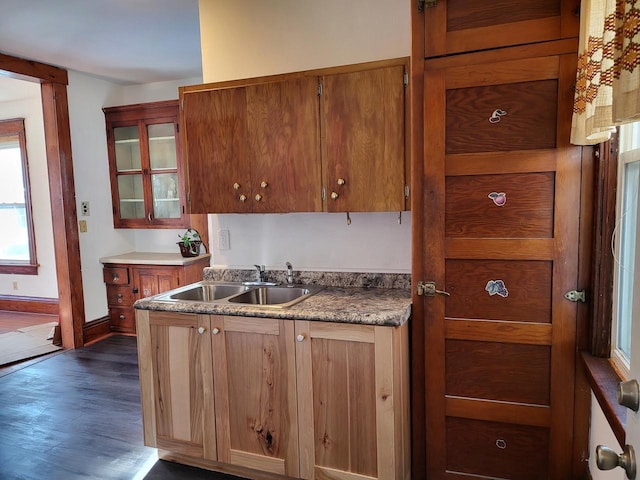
255,393
499,367
456,26
176,381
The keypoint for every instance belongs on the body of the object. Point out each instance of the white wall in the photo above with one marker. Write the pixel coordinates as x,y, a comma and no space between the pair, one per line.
600,433
28,105
251,38
87,96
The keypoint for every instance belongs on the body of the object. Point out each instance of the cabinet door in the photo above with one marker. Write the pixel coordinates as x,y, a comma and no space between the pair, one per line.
176,380
215,142
350,401
284,142
146,165
153,280
363,152
455,26
255,393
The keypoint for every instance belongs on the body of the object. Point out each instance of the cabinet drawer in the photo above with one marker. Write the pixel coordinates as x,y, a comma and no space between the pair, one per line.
116,275
119,296
497,449
123,319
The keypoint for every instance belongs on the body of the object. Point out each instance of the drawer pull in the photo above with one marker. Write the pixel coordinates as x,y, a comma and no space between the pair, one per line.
122,317
501,444
495,116
201,330
215,330
116,277
300,338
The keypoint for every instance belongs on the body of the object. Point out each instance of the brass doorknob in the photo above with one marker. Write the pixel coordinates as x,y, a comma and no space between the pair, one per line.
607,459
629,394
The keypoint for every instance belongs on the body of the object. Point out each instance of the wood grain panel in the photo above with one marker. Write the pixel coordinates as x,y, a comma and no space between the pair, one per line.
364,140
530,121
462,15
499,331
528,284
498,371
343,331
344,395
500,249
214,140
505,412
283,126
527,211
474,446
501,162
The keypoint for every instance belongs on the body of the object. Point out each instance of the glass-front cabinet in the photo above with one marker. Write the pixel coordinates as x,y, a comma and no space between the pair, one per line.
146,165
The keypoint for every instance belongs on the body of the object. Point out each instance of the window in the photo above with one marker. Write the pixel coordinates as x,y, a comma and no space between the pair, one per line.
626,268
17,244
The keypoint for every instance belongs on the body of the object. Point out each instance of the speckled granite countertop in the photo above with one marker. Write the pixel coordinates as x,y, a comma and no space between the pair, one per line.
343,303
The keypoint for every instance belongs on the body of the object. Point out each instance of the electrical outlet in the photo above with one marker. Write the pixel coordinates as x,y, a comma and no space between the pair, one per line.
83,226
84,209
223,240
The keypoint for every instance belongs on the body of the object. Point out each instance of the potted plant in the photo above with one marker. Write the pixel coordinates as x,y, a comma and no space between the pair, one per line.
189,243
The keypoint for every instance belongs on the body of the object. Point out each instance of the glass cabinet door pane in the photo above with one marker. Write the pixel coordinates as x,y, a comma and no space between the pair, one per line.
164,188
131,196
127,143
162,146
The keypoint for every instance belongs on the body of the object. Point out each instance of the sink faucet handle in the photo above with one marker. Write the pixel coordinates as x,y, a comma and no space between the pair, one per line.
289,273
260,272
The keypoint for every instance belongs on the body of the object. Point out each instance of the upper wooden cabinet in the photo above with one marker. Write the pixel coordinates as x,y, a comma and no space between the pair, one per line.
145,164
324,140
253,148
363,135
455,26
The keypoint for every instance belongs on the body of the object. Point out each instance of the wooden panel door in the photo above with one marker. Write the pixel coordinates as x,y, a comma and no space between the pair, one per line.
499,232
283,128
176,381
215,145
455,26
255,393
352,403
363,140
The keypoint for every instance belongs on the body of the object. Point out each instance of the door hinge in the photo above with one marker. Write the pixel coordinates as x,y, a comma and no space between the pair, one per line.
405,79
406,191
319,87
576,296
426,3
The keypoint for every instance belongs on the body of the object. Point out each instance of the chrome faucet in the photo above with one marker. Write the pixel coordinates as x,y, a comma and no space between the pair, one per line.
289,275
260,273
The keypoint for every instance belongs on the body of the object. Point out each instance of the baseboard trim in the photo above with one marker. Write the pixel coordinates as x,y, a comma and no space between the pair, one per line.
14,303
96,330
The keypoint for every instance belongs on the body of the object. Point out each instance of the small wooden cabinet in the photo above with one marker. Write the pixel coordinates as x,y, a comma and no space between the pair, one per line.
312,400
145,163
324,140
128,282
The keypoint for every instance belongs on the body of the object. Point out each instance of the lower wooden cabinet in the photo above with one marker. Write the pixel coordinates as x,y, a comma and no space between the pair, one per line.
312,400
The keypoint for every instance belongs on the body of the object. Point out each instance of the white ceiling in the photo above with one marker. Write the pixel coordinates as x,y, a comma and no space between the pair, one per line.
124,41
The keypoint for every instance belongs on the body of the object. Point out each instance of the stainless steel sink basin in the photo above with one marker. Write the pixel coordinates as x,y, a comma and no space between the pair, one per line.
208,292
274,296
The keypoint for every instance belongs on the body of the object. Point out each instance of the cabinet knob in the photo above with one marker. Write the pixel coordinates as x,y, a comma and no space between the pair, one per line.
215,330
201,330
122,317
341,181
135,290
236,186
243,198
334,195
119,296
264,184
115,277
258,197
300,338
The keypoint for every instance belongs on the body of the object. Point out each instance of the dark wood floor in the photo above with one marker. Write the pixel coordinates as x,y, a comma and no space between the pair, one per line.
76,415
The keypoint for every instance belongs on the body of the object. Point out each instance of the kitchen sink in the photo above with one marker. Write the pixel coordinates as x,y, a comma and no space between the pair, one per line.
205,292
274,296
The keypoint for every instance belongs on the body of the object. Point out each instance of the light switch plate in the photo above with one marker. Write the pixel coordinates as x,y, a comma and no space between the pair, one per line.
223,240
